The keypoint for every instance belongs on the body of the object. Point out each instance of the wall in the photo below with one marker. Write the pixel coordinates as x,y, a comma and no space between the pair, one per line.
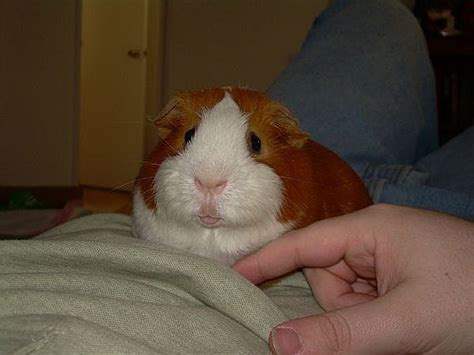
232,42
39,41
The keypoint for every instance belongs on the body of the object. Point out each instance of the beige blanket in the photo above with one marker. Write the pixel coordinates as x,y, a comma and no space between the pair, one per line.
88,286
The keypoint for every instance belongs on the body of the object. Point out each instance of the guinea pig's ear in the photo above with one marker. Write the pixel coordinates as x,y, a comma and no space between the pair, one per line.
289,127
164,121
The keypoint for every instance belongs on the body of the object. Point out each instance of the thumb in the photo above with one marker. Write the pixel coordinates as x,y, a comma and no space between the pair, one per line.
377,326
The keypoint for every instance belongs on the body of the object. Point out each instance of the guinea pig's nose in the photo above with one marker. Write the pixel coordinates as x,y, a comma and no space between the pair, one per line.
209,185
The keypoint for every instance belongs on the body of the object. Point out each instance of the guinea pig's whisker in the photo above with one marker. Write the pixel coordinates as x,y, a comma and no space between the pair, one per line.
151,188
131,182
123,185
150,163
167,168
295,179
128,183
296,203
150,198
169,145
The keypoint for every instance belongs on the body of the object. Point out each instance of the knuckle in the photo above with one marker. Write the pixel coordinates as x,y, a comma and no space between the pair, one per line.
336,333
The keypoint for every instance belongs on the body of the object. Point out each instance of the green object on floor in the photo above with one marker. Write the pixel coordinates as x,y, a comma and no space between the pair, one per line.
20,200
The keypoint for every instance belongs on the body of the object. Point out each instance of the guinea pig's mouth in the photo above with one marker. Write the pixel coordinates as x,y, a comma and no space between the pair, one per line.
209,220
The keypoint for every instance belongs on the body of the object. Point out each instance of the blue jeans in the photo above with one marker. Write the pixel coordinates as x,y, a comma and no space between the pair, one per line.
363,86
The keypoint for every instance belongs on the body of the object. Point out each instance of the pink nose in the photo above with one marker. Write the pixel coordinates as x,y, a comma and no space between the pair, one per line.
210,186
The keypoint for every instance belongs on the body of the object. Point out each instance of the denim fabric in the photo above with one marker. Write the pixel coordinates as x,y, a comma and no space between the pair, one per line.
455,203
363,86
400,174
452,166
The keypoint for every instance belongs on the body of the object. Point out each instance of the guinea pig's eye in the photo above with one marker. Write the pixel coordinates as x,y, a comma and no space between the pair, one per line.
189,135
255,144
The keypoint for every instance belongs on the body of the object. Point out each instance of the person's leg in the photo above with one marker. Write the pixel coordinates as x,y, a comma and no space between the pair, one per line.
362,84
454,203
442,180
364,87
452,166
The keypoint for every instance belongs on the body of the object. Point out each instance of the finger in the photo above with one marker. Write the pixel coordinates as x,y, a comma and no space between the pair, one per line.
343,271
368,287
380,326
321,244
332,291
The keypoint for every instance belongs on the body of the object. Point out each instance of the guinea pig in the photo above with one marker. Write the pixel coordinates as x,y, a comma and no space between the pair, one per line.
232,171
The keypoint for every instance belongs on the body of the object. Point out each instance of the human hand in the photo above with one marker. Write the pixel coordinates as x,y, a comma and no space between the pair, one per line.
392,280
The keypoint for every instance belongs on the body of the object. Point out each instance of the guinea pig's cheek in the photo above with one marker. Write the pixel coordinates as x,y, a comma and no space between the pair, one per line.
254,196
173,188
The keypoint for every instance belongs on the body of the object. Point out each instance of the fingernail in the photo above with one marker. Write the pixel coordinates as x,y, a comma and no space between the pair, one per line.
285,340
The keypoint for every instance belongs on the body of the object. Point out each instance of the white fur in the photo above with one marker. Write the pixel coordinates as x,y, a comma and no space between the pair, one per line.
249,205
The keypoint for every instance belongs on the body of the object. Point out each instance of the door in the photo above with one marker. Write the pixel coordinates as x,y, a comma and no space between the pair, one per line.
112,104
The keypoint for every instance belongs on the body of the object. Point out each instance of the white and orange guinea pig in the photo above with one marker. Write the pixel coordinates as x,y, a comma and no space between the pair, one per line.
232,171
